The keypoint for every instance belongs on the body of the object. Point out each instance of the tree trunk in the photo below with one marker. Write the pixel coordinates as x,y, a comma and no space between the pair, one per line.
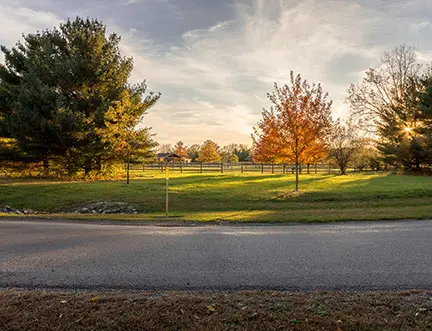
45,166
342,166
297,166
88,166
87,171
128,170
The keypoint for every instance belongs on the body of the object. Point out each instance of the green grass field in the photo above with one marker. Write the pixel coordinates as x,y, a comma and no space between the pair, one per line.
237,198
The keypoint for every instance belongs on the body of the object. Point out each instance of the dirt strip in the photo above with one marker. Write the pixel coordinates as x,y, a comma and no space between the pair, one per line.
248,310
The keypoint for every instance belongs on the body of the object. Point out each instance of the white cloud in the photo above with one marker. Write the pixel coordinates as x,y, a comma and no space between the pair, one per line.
214,80
230,64
14,21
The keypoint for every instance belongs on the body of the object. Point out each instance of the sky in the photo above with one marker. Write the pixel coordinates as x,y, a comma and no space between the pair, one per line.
215,60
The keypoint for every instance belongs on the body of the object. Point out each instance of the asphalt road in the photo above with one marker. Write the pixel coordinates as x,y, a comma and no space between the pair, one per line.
344,256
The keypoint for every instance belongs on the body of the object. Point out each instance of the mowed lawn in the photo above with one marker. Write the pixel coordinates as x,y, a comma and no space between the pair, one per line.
237,198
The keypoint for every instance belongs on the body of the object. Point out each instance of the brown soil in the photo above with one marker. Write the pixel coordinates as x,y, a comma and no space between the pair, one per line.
248,310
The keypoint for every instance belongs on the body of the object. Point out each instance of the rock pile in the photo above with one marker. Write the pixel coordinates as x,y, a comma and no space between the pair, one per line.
107,208
10,210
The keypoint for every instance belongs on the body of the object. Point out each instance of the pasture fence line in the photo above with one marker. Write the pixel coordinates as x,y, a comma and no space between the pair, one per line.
246,167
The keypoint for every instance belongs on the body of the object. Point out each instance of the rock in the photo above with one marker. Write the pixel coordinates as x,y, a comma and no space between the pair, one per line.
10,210
107,208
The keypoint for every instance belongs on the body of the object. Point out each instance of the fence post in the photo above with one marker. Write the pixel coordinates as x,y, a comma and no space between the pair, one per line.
329,168
315,168
284,168
201,167
221,167
308,166
262,168
143,167
241,167
181,167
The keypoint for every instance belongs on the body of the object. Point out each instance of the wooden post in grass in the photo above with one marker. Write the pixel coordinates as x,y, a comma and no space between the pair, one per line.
329,168
284,168
262,168
272,168
221,167
181,168
166,189
308,167
201,167
315,168
241,167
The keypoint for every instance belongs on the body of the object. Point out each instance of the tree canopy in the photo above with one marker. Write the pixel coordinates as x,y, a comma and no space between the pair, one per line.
296,126
66,97
387,104
181,149
209,152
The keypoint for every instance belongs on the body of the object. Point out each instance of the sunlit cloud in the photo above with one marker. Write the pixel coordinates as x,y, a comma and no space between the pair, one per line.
214,76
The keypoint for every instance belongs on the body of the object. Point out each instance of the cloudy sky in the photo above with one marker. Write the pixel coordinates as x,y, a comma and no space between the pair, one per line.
214,60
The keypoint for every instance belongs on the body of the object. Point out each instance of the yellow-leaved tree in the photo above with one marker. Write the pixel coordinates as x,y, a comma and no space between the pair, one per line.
209,152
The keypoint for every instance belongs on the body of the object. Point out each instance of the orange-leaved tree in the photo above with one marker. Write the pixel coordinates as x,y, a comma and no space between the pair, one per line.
209,152
295,128
180,149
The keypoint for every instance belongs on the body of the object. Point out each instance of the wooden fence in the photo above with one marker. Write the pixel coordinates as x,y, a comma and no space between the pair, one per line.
242,167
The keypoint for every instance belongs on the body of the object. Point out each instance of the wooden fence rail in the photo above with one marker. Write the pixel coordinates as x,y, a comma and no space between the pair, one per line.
241,167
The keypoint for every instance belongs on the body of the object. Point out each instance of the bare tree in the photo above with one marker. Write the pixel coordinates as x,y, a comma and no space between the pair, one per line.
392,85
344,143
165,148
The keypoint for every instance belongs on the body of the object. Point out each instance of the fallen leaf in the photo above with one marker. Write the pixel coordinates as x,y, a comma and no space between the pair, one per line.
61,315
211,308
63,301
338,321
244,307
94,299
422,309
182,311
274,294
339,329
196,317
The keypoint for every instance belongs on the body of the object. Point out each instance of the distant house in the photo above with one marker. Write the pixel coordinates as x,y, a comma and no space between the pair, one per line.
169,157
